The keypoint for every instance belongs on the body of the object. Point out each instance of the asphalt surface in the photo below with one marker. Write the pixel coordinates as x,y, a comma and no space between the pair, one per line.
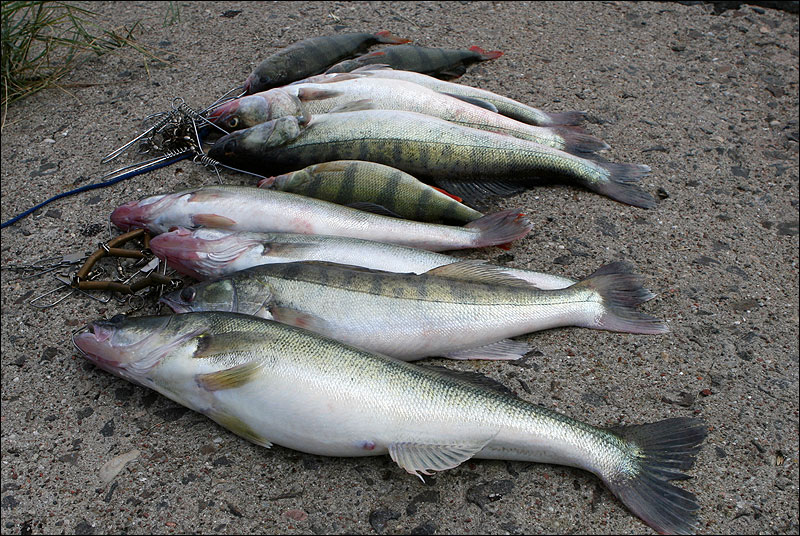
709,101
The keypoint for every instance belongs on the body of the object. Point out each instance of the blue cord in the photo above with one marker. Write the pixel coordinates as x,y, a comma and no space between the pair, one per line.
96,185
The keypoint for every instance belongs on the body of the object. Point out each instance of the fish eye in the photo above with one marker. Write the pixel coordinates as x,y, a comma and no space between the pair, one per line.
188,294
116,319
230,147
234,122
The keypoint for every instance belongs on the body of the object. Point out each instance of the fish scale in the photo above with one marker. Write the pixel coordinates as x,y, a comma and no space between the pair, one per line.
272,383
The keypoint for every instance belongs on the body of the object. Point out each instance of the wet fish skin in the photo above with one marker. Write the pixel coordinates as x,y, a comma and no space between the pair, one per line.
467,162
388,94
374,187
311,56
465,310
208,253
244,208
504,105
442,62
271,383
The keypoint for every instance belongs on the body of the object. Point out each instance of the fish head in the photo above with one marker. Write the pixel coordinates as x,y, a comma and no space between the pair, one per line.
249,145
133,347
141,213
236,294
203,253
253,110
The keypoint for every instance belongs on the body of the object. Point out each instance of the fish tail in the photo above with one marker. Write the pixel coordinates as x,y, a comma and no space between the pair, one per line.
565,118
620,291
385,36
620,185
655,454
577,141
484,55
500,228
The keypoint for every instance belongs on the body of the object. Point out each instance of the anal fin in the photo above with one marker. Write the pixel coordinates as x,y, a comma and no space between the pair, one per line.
424,458
238,427
506,349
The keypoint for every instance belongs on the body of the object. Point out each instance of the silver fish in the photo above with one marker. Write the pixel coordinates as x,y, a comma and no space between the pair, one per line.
208,253
272,383
244,208
465,310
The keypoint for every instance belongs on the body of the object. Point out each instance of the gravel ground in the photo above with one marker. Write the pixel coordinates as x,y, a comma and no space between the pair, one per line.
709,101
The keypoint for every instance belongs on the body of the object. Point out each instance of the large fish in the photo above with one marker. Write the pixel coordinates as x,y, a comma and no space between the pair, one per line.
208,253
504,105
375,188
311,56
465,310
443,62
386,94
245,208
271,383
467,162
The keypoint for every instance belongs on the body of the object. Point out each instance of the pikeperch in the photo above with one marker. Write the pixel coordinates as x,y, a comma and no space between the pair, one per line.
499,103
387,94
374,188
207,253
246,208
443,62
311,56
467,162
272,383
464,310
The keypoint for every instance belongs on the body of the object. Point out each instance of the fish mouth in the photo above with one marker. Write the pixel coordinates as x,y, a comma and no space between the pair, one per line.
92,341
179,249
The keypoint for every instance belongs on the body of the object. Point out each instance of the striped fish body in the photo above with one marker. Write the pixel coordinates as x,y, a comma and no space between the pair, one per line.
454,311
311,56
272,383
427,148
208,253
374,187
443,62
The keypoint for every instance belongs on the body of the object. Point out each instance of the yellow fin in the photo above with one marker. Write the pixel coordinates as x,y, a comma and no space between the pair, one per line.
238,427
229,378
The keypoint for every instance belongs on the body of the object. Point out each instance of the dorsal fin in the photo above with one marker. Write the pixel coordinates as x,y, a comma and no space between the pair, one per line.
479,271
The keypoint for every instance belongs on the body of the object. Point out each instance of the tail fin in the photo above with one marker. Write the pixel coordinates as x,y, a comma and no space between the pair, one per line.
500,228
620,184
566,118
577,141
490,55
385,36
659,451
620,291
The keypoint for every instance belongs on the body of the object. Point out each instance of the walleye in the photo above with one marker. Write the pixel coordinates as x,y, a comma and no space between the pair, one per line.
207,253
503,105
374,188
386,94
271,383
311,56
464,310
245,208
467,162
443,62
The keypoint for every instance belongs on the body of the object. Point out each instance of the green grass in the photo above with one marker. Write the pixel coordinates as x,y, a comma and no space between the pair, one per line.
43,41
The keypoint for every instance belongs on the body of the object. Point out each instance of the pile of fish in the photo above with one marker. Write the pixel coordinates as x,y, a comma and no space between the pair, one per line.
320,285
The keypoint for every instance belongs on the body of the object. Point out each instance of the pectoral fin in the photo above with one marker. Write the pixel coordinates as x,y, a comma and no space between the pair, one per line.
299,319
212,220
374,208
355,106
307,94
425,458
229,378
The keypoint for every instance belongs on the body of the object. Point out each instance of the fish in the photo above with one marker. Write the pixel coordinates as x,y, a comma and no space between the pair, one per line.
311,56
275,384
464,310
246,208
466,162
208,253
480,97
441,62
387,94
374,188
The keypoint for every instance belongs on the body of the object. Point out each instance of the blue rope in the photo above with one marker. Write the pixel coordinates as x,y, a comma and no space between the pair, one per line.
96,185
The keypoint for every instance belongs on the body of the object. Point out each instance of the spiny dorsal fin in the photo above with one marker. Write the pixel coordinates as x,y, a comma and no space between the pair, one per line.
479,271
